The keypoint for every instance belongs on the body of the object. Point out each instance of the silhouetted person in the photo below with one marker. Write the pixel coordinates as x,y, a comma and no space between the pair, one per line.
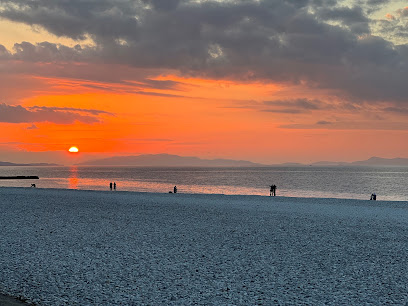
114,185
373,197
175,189
272,191
110,185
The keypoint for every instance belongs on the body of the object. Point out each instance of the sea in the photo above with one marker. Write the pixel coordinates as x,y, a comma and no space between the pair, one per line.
389,183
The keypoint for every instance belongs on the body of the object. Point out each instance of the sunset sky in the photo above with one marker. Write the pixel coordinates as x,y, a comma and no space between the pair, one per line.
267,81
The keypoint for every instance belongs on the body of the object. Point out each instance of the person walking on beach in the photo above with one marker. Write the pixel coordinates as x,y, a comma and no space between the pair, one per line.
114,186
175,189
110,186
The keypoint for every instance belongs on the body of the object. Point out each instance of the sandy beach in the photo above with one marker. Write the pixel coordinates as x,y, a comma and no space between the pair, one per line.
66,247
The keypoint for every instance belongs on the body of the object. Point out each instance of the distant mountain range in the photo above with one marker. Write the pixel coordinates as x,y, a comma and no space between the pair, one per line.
26,165
378,161
166,160
373,161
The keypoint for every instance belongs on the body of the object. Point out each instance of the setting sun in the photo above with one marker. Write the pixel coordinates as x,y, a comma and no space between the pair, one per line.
73,150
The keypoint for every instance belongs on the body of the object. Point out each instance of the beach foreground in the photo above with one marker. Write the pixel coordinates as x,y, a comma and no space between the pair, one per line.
65,247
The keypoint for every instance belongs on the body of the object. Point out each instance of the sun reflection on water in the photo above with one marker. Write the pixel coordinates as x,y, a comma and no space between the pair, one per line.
73,177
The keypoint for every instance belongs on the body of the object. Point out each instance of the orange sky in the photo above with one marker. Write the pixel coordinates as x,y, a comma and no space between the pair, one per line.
117,109
214,119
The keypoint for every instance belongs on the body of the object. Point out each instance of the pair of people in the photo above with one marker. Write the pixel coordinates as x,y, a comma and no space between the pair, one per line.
114,185
373,197
272,191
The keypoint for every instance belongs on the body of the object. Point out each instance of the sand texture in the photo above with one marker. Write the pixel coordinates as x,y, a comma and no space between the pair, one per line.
65,247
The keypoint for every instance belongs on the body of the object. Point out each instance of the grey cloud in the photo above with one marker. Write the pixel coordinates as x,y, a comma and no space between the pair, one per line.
403,12
45,50
283,111
72,109
299,104
395,25
377,2
398,110
323,122
32,127
383,125
161,84
274,40
75,18
158,94
163,5
19,114
4,53
353,18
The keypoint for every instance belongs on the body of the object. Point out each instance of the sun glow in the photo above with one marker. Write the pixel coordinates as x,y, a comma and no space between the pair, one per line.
73,150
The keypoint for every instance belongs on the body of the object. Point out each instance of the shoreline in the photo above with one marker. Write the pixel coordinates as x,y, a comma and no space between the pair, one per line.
62,246
205,194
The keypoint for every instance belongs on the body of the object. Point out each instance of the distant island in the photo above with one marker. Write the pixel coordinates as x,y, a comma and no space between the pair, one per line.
168,160
6,164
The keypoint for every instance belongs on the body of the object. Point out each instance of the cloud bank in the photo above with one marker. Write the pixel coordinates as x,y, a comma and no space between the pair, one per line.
63,115
325,44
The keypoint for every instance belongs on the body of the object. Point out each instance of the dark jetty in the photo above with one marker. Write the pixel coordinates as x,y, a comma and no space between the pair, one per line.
19,177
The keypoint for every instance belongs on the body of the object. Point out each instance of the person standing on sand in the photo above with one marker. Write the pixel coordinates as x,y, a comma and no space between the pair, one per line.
114,186
175,189
272,191
110,186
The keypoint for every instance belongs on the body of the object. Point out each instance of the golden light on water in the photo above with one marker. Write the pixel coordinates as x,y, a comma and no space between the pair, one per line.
73,150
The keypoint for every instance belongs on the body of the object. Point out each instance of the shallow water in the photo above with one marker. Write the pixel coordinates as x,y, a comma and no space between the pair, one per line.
321,182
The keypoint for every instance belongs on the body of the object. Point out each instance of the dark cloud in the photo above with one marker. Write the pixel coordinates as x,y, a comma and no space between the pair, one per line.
32,127
4,53
295,106
163,5
70,109
403,12
158,94
303,104
323,122
19,114
75,18
354,18
382,125
317,43
283,111
397,110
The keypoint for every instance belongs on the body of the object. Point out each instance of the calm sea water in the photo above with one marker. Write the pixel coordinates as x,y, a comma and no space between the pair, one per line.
321,182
